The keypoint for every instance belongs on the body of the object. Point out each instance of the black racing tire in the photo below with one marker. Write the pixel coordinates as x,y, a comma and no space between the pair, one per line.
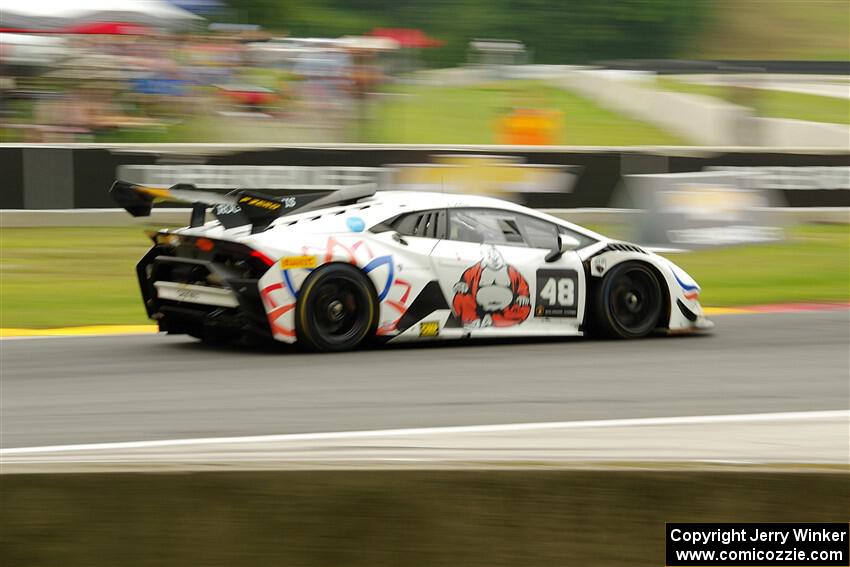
337,309
628,303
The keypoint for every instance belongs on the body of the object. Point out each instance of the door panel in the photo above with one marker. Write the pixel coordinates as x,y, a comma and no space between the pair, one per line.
510,290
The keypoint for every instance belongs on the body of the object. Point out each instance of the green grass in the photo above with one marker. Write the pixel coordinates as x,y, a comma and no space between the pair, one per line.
770,102
51,277
468,115
814,265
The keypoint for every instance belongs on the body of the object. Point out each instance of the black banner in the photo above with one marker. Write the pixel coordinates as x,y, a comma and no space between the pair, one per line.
769,544
803,179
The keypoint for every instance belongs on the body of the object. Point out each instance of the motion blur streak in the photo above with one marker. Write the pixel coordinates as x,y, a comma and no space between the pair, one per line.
251,71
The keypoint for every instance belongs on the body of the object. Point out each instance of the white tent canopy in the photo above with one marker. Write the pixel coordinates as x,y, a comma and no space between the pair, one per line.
46,14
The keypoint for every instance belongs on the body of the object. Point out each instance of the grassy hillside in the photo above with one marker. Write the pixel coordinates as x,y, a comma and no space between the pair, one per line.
468,115
774,29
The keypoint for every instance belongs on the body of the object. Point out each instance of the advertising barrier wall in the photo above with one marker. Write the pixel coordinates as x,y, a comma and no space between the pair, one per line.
709,208
78,176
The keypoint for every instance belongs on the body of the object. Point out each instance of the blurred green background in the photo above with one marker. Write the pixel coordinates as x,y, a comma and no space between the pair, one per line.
53,277
580,31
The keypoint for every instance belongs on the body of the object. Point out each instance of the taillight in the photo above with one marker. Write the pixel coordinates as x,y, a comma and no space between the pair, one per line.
204,244
262,258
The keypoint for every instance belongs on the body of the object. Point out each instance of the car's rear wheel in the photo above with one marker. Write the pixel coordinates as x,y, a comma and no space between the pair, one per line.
628,302
337,309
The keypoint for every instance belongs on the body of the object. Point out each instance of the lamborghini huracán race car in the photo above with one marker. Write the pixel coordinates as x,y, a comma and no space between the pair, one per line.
333,270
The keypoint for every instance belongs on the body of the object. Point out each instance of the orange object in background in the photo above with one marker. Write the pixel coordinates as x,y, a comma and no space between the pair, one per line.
529,127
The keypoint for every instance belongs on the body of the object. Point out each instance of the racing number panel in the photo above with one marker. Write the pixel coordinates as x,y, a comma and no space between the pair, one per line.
557,293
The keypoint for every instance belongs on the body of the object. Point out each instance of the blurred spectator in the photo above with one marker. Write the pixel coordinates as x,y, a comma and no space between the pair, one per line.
114,81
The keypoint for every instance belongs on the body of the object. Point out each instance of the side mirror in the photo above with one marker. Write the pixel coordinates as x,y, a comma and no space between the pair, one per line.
565,244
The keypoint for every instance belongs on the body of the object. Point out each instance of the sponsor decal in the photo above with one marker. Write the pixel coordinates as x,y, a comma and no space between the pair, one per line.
599,264
297,262
707,202
187,294
459,173
487,174
725,235
429,329
226,209
259,203
794,178
259,177
355,224
491,293
703,209
557,293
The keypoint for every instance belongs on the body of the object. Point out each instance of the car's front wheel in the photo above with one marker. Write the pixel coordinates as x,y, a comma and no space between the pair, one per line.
628,302
337,309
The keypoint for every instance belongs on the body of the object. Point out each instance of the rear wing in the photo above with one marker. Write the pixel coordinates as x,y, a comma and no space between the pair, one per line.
237,208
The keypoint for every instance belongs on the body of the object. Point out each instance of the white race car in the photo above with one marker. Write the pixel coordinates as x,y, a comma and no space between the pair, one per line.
335,270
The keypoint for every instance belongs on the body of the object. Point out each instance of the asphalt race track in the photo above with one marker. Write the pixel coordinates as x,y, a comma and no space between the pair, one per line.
129,388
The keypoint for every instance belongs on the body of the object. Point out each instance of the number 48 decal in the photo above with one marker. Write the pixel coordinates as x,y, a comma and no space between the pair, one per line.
557,293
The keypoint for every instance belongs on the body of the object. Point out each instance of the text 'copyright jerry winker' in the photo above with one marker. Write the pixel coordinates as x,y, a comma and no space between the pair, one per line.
763,545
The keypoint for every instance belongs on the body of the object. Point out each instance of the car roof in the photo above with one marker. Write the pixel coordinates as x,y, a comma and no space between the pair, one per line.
387,204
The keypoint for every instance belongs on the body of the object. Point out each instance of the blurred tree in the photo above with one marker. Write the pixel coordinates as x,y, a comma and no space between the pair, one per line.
570,31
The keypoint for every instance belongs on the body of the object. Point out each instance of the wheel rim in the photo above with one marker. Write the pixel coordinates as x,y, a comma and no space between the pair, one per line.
635,301
339,311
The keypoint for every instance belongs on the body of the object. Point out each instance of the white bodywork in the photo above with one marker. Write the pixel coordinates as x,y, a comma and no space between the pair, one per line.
504,278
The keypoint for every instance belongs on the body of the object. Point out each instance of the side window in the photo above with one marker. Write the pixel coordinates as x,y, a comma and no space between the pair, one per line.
406,224
538,233
426,224
484,226
494,226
